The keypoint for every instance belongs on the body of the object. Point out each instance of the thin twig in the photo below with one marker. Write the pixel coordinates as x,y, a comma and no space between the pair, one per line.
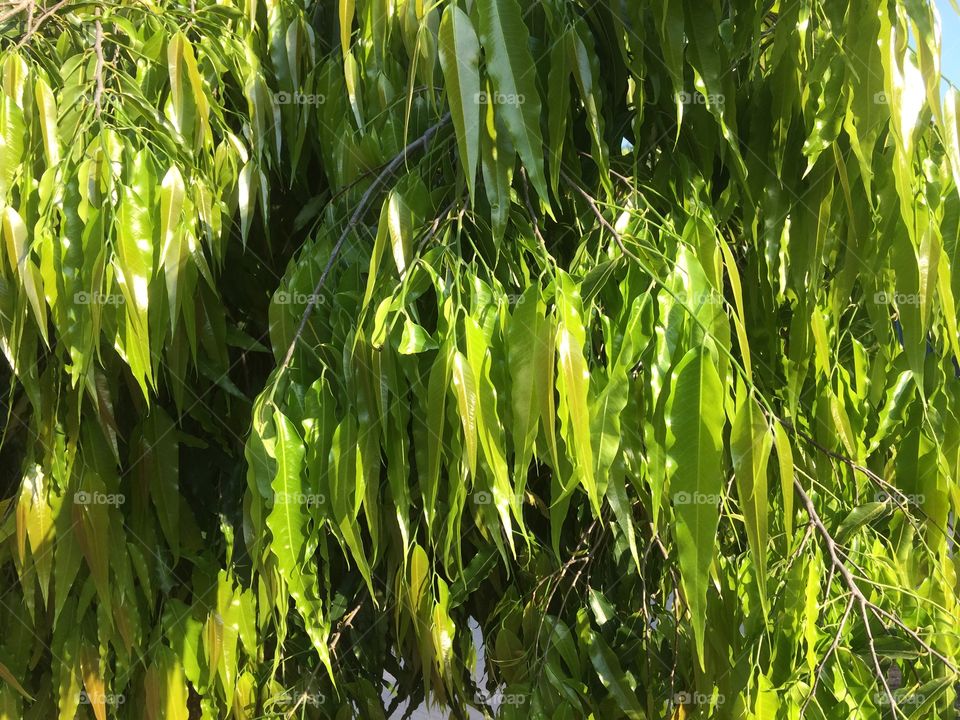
893,492
823,661
345,622
357,216
98,71
857,596
562,571
596,211
16,10
39,21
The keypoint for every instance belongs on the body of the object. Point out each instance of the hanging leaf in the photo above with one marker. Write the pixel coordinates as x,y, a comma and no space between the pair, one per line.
460,60
504,37
695,422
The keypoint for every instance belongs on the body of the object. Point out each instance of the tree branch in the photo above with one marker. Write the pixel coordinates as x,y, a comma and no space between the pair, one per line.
864,604
98,72
355,218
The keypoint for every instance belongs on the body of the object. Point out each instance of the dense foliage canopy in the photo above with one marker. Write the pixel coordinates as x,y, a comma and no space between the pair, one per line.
558,359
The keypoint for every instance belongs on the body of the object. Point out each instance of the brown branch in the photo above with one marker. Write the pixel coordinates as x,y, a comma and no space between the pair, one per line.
857,596
17,9
599,215
345,622
36,25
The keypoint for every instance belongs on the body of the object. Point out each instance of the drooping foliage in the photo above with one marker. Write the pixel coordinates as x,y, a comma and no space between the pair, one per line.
538,360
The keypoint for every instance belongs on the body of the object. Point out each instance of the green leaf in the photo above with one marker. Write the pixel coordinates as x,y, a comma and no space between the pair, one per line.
174,689
8,678
134,265
18,253
460,60
159,462
400,224
41,531
785,463
695,423
173,253
437,389
859,517
415,339
750,445
379,247
573,382
347,489
586,71
490,430
528,353
497,158
611,674
47,111
465,390
505,41
287,520
347,8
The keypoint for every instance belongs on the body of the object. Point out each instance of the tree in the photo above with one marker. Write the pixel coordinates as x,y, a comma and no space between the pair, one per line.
619,338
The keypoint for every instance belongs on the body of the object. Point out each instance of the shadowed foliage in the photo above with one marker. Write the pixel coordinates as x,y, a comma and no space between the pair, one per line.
558,359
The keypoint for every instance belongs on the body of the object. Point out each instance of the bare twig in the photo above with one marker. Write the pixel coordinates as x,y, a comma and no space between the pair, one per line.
856,595
575,558
98,71
16,9
823,661
39,21
345,622
435,225
599,215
